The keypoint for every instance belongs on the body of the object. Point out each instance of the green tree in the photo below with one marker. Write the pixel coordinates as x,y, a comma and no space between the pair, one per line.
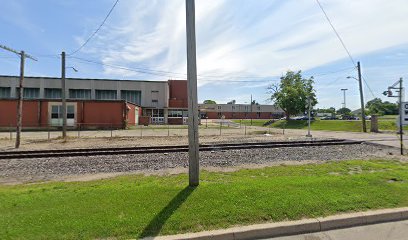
377,106
326,110
209,102
292,92
344,111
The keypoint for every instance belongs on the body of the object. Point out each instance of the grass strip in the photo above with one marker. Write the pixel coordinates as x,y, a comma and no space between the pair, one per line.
326,125
136,206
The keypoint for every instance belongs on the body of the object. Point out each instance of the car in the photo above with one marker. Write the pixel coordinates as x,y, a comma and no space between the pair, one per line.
303,118
368,117
328,118
350,118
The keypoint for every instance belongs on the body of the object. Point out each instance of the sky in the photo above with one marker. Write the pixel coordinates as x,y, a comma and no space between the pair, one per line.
243,46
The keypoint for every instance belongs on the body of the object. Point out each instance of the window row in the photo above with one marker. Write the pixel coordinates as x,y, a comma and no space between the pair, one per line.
56,93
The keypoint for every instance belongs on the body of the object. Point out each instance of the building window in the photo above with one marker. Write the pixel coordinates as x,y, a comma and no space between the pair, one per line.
70,112
56,112
80,93
155,101
219,107
233,107
52,93
5,92
175,113
29,93
155,91
106,94
258,114
131,96
258,107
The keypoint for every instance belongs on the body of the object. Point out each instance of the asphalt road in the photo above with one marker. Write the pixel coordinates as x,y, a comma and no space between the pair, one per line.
383,231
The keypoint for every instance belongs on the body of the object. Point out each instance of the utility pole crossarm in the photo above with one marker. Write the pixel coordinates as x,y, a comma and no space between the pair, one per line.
17,52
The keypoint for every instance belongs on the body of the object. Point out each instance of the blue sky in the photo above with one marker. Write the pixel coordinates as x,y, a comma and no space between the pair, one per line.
242,45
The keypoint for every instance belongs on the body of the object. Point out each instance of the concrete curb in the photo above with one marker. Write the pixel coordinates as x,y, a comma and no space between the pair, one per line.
269,230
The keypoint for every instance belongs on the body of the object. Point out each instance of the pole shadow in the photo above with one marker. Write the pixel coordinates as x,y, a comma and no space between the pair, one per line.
156,224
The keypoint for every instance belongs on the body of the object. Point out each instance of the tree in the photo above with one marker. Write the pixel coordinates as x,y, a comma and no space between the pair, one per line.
344,111
209,102
377,106
292,92
232,102
326,110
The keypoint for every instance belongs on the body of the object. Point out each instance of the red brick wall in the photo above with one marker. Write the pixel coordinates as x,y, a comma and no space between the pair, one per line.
178,94
8,113
239,115
102,113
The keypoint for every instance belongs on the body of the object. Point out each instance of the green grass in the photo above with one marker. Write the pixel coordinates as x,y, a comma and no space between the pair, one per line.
135,206
326,125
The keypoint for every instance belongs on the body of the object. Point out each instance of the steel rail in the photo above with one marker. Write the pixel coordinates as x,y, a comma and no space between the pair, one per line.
167,149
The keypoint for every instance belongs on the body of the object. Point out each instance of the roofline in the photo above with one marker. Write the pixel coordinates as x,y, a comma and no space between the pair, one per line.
98,79
70,100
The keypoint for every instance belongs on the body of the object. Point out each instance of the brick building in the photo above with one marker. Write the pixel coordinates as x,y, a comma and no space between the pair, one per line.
102,102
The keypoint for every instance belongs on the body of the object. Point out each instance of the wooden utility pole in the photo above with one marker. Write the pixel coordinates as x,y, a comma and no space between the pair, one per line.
22,55
193,150
401,130
360,83
20,100
251,109
64,100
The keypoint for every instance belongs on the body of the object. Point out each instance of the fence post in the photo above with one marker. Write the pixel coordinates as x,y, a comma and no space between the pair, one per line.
141,130
245,129
11,132
79,130
49,134
220,127
168,130
111,128
269,130
284,129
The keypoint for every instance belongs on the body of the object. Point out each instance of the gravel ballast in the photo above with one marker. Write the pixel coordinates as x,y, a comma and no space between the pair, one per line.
28,170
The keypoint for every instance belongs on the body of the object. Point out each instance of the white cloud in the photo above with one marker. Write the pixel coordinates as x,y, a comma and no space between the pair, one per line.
246,37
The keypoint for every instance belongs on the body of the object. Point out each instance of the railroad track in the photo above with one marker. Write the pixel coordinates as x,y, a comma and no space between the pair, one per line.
166,149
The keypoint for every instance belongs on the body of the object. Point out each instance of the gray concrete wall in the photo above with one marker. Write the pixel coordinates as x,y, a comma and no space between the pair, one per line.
146,87
239,108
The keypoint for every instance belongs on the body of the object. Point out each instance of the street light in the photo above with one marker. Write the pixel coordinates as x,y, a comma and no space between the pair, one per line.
75,70
361,101
344,96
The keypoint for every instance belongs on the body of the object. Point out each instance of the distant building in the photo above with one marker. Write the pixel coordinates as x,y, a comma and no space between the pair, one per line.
101,102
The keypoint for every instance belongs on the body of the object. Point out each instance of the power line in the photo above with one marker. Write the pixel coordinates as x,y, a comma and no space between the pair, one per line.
96,31
368,86
204,78
343,44
337,34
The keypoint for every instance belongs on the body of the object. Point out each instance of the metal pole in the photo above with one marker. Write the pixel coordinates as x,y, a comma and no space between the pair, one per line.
193,149
11,132
251,109
20,101
401,132
168,130
64,100
309,102
344,97
220,126
245,129
363,120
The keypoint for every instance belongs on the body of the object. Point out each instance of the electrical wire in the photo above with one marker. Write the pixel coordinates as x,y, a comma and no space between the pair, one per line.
97,30
343,44
337,34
